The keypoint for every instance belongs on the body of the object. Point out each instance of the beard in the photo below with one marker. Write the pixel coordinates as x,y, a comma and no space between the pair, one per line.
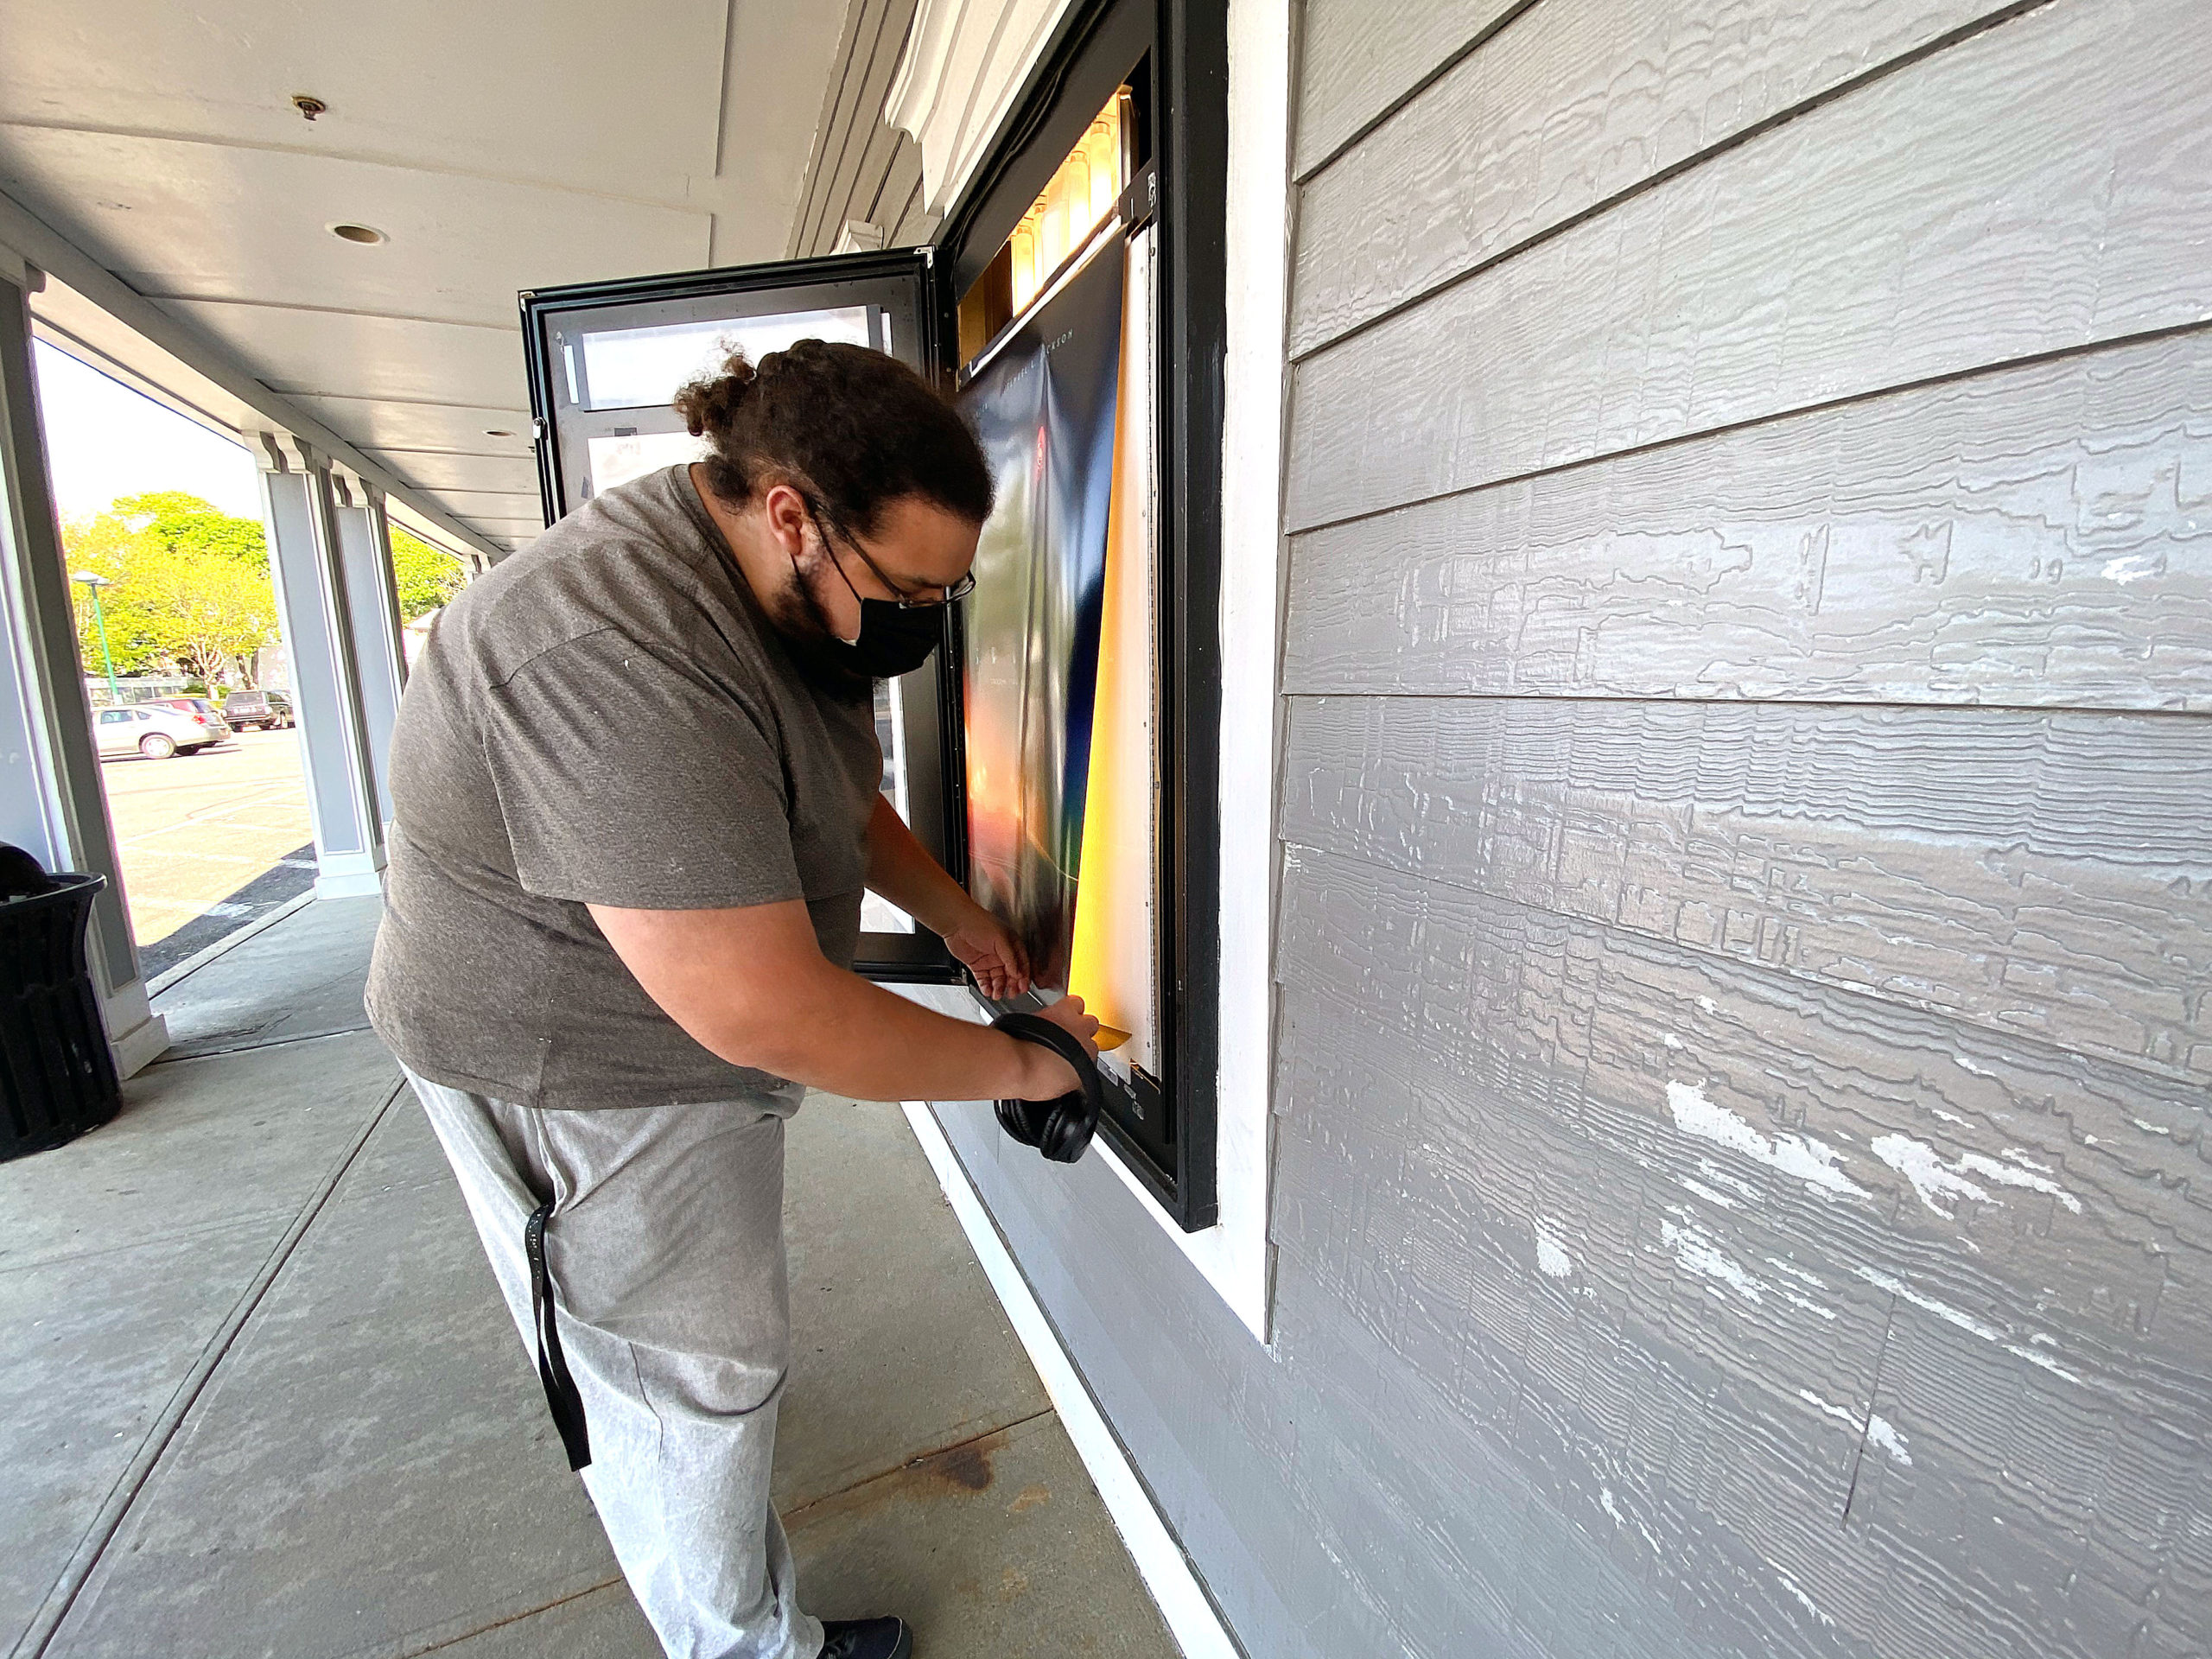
823,659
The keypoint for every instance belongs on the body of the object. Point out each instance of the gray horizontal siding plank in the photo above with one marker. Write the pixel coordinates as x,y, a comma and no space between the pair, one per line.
2047,876
1575,102
852,186
874,201
1357,58
1537,1157
2042,186
1763,1105
2033,535
1717,1444
860,111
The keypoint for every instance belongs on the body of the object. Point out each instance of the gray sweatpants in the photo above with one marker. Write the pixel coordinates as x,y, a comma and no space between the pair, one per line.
665,1247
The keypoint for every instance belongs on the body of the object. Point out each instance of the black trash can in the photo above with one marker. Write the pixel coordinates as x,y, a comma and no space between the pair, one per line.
57,1077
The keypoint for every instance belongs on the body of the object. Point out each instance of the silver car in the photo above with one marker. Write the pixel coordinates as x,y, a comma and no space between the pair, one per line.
157,732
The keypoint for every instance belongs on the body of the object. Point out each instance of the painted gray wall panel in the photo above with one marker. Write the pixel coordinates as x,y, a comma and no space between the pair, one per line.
1576,102
2036,535
865,204
2053,193
2044,874
1357,58
1302,1478
904,205
1197,1402
894,192
1681,1274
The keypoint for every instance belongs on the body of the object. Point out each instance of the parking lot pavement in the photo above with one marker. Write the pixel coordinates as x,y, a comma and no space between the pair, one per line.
209,841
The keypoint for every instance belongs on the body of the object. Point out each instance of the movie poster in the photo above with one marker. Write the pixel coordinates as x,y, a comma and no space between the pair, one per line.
1044,407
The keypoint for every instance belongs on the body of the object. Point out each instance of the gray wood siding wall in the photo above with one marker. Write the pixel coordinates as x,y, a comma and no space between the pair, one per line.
1745,951
861,171
1745,943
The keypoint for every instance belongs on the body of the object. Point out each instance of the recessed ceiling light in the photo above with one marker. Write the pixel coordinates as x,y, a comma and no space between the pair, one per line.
367,235
497,432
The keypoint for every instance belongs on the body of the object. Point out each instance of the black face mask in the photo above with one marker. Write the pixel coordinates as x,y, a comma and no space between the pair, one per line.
893,639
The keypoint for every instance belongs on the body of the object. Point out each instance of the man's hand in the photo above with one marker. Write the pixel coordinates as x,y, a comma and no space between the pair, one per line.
1053,1077
987,948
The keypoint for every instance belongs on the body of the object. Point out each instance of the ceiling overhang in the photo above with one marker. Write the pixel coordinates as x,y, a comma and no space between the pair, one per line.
185,204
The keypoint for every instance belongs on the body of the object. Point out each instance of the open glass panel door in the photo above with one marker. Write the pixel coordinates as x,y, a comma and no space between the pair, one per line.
606,360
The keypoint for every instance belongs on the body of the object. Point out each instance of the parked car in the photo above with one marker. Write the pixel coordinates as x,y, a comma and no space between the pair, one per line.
259,709
156,731
198,709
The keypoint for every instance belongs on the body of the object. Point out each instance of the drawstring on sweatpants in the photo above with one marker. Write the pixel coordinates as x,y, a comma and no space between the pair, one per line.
562,1398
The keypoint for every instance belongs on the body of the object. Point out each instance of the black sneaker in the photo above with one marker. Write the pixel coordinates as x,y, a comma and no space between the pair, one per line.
865,1639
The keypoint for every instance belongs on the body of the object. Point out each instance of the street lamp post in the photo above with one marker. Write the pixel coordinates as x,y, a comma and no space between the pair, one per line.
94,582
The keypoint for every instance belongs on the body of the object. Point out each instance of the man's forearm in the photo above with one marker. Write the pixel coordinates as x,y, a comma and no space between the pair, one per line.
900,869
751,984
857,1039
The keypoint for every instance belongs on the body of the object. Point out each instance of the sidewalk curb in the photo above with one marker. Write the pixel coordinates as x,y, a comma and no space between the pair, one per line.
192,964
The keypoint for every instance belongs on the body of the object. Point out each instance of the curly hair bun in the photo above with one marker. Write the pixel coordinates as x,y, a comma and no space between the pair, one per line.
857,428
710,404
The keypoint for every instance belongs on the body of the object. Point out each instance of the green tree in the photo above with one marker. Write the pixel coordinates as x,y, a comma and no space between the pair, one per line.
107,546
210,611
424,577
191,585
187,525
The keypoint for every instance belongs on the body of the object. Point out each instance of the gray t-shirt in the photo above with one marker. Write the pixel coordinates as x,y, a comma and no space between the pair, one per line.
607,717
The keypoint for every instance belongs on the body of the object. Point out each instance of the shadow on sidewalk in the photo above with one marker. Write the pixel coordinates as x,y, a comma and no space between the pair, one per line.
291,876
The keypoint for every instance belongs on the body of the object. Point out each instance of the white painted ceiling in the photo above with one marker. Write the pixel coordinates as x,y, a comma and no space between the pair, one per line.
499,145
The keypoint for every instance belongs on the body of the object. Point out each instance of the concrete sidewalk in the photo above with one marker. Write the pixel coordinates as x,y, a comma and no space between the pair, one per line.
260,1396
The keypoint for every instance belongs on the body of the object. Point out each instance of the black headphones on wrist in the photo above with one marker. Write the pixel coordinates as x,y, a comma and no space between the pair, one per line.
1061,1128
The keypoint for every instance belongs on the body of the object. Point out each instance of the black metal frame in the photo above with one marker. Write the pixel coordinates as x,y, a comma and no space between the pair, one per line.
1187,45
1183,44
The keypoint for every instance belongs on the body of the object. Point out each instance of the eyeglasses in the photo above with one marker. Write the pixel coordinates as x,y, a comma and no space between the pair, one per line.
899,596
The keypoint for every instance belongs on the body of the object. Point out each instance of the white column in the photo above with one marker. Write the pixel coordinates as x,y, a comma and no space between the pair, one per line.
379,661
51,800
308,563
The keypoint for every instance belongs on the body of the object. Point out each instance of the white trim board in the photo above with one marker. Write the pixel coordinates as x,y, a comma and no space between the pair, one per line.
965,62
1167,1573
1235,1255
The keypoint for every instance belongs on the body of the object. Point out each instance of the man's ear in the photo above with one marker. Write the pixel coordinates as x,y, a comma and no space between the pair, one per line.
782,509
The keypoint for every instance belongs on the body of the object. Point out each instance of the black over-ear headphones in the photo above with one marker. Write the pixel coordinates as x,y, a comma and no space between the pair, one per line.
1061,1128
